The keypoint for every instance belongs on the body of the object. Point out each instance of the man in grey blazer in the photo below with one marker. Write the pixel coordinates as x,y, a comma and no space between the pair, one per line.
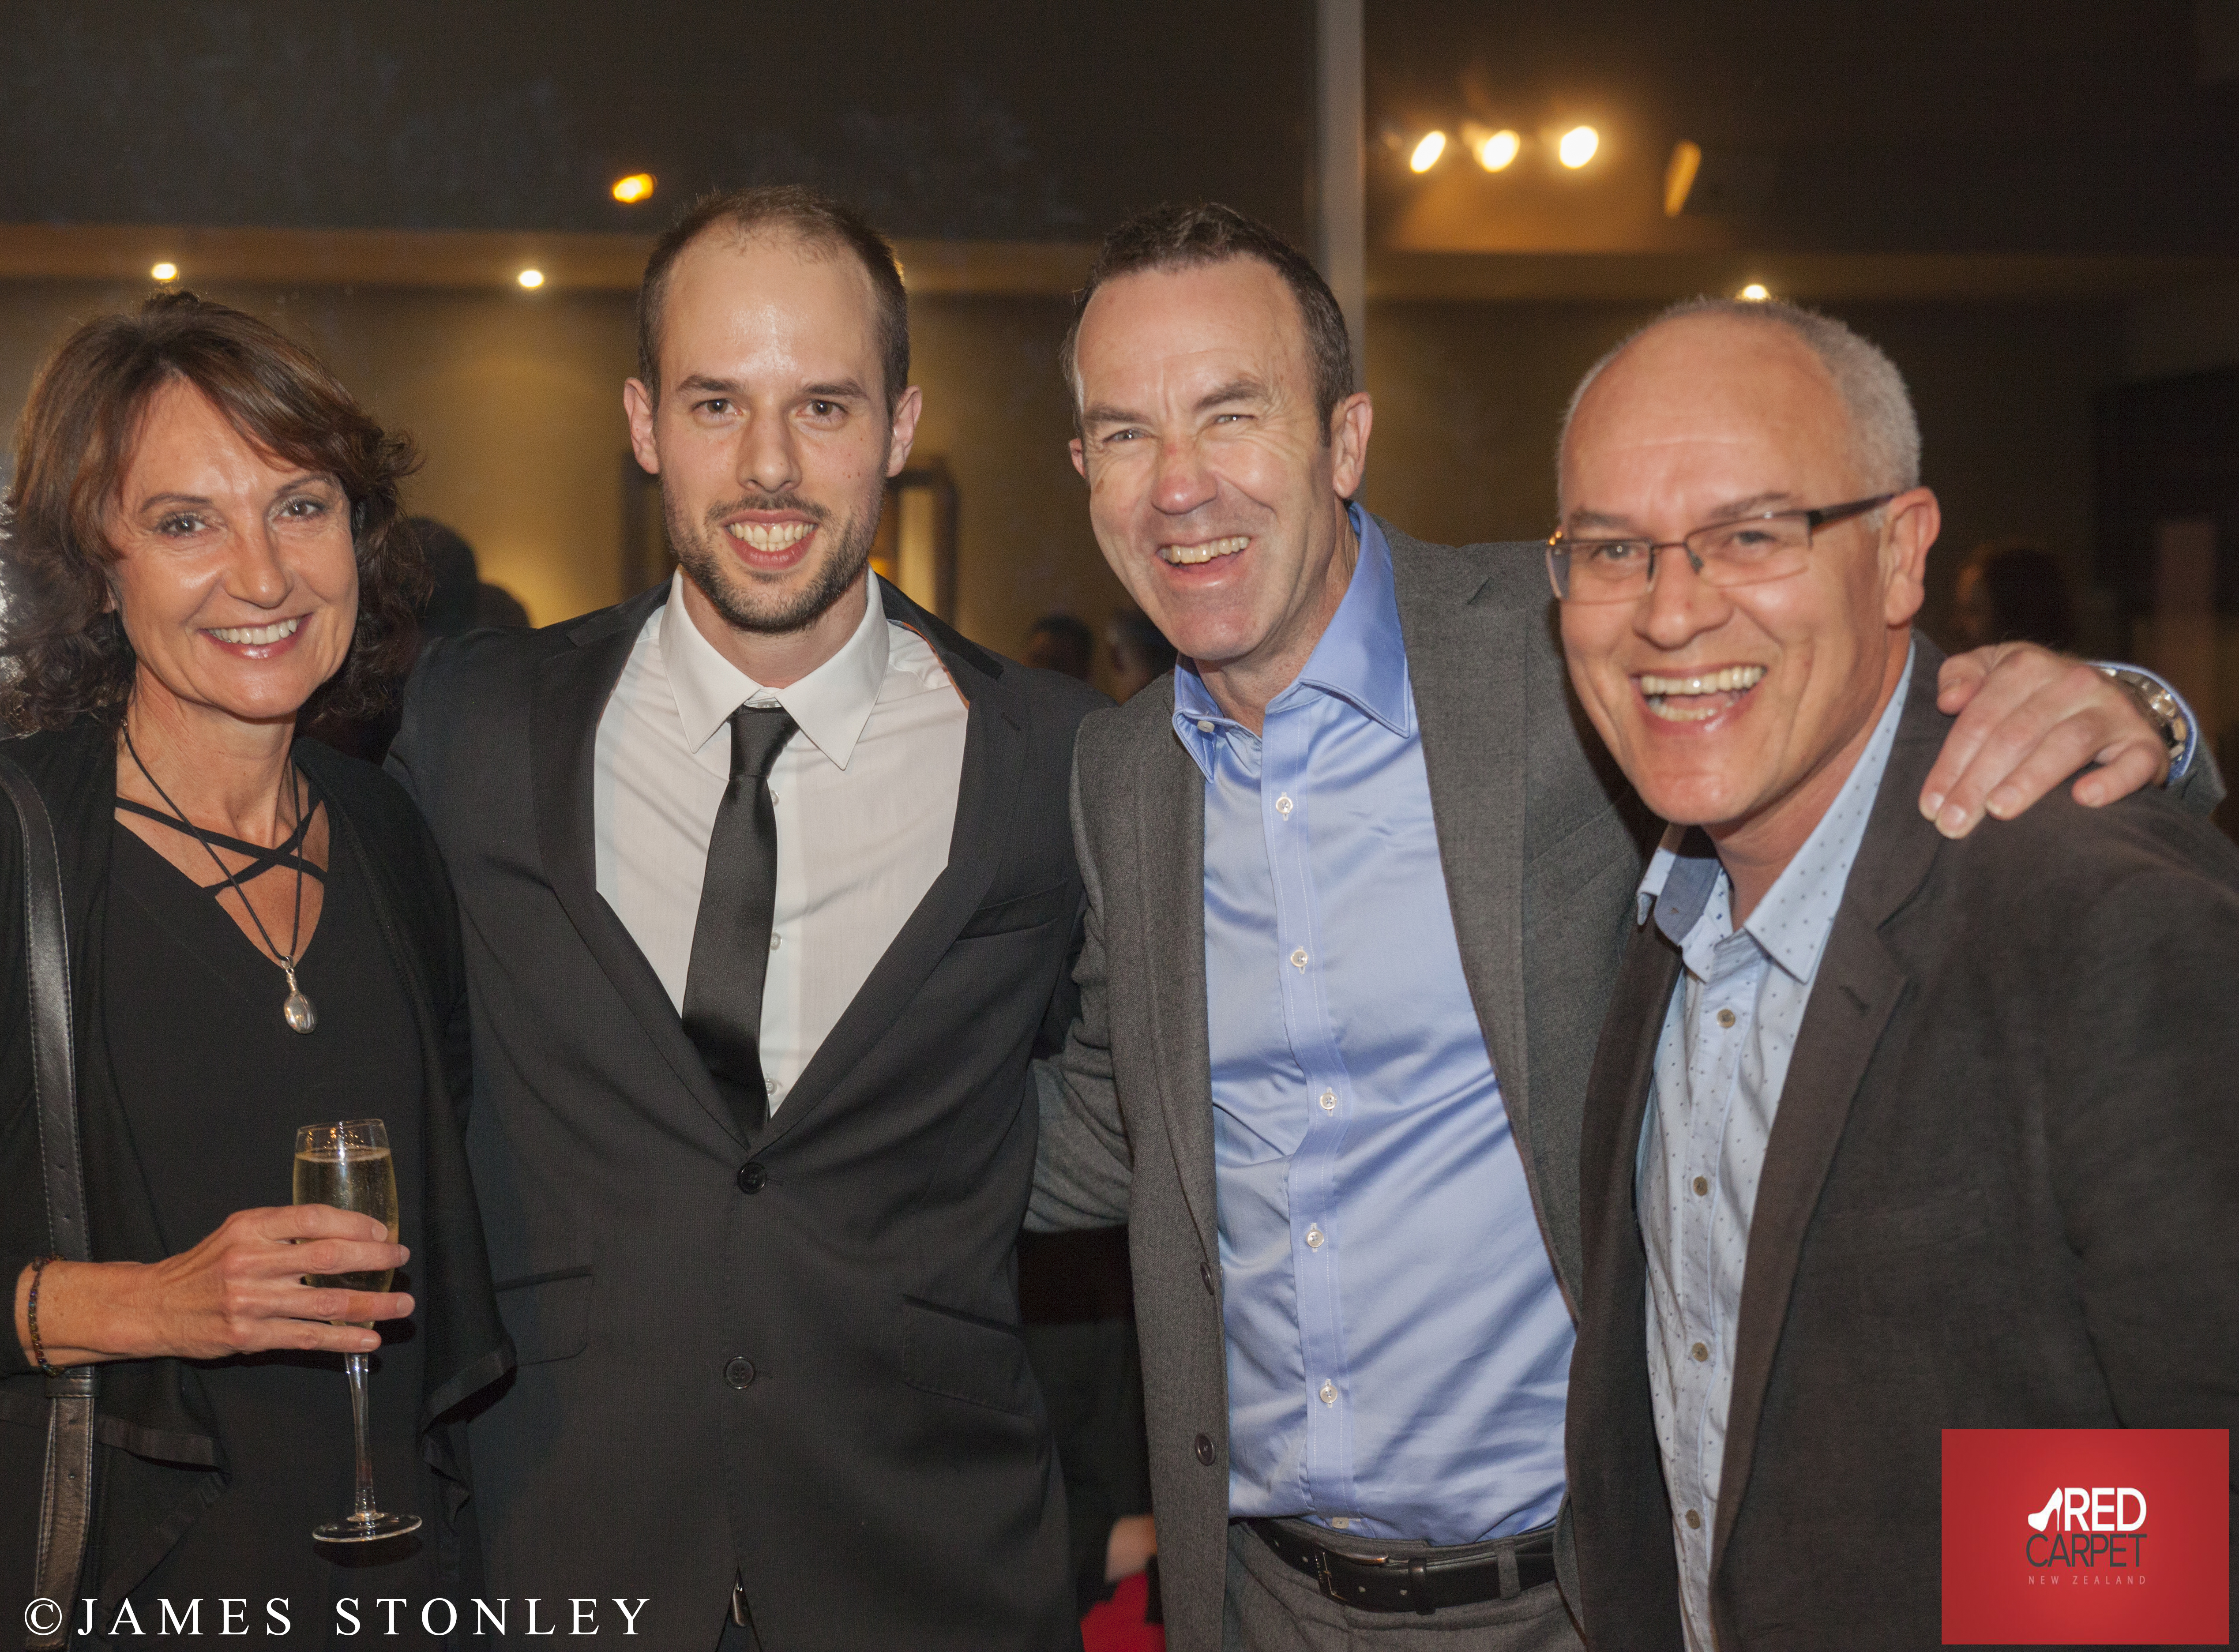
1357,891
1888,1134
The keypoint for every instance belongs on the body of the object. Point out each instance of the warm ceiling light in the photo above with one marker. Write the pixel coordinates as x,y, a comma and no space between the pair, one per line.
1497,151
1578,145
1755,293
531,278
1679,176
634,188
1427,152
165,272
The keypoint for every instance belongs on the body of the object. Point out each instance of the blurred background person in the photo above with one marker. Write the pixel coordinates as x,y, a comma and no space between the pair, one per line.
205,552
459,599
1140,653
1062,642
2011,590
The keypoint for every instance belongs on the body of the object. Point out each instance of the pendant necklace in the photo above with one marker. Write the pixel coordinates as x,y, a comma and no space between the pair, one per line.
296,1008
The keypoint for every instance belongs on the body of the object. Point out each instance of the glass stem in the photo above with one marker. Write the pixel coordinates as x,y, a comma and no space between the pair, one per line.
362,1426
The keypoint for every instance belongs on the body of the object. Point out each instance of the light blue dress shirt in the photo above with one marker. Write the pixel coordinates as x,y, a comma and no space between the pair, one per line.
1720,1064
1397,1348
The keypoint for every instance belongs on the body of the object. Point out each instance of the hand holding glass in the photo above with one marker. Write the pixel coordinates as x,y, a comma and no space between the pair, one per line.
347,1165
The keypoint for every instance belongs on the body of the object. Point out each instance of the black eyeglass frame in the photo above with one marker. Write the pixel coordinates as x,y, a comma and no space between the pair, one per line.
1824,516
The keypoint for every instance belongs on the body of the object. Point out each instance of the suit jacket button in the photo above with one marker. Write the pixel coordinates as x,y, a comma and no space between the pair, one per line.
751,1177
1205,1272
1205,1450
739,1372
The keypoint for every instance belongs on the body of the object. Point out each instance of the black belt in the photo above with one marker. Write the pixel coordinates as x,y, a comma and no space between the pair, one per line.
1422,1581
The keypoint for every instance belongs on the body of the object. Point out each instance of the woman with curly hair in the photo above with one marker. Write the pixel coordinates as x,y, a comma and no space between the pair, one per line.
206,552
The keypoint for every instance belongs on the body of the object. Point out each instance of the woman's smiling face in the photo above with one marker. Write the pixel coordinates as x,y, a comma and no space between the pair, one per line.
235,574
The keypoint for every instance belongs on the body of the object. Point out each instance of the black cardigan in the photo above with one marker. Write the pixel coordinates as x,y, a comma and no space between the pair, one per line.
166,1466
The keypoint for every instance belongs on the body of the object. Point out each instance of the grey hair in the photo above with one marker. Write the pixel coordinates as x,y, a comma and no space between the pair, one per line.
1884,433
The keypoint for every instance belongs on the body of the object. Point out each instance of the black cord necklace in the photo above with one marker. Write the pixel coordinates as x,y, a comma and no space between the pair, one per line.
297,1009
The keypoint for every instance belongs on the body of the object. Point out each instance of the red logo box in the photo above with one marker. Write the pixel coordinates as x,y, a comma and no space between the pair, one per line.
2086,1536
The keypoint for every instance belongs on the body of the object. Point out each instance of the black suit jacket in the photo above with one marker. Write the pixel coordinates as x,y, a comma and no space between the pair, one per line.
2001,1191
796,1358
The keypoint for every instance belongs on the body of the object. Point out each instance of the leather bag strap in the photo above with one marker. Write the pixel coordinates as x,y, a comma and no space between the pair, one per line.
66,1490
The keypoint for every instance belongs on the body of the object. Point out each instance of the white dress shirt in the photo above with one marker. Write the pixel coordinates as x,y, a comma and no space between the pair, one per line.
864,796
1720,1065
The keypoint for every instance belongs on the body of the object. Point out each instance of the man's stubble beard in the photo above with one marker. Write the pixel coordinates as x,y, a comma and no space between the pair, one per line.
703,550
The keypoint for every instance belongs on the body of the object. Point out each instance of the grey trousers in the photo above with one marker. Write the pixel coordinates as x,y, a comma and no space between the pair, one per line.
1270,1608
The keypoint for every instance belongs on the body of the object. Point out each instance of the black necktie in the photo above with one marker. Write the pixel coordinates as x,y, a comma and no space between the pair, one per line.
731,940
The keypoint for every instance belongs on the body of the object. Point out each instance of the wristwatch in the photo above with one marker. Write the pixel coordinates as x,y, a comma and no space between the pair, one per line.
2159,707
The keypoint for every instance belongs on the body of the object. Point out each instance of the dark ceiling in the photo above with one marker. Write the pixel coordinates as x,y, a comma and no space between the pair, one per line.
989,121
1942,126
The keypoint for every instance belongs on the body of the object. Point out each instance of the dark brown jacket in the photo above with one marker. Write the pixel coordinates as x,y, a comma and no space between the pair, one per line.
2001,1192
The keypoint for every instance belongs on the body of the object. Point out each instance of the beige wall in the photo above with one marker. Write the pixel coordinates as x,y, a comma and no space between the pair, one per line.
515,399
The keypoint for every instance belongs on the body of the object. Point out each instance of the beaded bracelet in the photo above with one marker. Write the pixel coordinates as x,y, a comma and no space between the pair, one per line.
31,1312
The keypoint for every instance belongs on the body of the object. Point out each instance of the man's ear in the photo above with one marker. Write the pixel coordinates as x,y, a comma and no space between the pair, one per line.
637,408
1348,433
903,431
1079,463
1913,521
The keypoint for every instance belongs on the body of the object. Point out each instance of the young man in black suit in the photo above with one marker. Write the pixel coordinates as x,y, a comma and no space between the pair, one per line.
769,894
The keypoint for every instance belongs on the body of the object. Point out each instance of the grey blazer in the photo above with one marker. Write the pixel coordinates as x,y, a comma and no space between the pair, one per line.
2001,1192
1540,857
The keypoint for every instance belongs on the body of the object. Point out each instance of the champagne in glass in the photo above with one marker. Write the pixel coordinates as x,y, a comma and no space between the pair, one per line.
347,1165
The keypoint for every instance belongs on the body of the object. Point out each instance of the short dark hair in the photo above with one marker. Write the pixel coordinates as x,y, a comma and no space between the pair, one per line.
1171,237
815,218
74,444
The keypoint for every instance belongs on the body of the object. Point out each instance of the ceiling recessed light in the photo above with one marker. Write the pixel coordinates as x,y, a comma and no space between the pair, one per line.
1427,152
531,279
634,188
1498,150
165,272
1578,145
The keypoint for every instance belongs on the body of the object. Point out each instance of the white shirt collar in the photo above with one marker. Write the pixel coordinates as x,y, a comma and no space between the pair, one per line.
831,704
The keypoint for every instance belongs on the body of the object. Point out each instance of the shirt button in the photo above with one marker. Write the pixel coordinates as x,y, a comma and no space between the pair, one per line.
1298,957
1328,1099
1283,806
1205,1450
1700,1350
1726,1018
1314,1238
1205,724
1328,1392
739,1372
1694,1521
1703,1184
769,1086
772,799
774,938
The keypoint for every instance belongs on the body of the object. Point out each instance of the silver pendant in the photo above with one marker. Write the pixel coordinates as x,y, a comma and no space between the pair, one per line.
301,1016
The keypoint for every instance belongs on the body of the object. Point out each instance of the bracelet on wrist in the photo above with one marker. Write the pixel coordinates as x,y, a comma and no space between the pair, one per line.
32,1313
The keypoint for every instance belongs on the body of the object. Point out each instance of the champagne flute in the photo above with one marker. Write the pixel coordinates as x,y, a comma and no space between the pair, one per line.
348,1166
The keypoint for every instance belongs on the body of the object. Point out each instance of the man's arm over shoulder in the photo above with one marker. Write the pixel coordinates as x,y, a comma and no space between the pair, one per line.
2144,1050
1084,1164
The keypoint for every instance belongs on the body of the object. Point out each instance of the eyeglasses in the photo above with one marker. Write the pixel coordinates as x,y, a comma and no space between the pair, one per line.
1748,551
